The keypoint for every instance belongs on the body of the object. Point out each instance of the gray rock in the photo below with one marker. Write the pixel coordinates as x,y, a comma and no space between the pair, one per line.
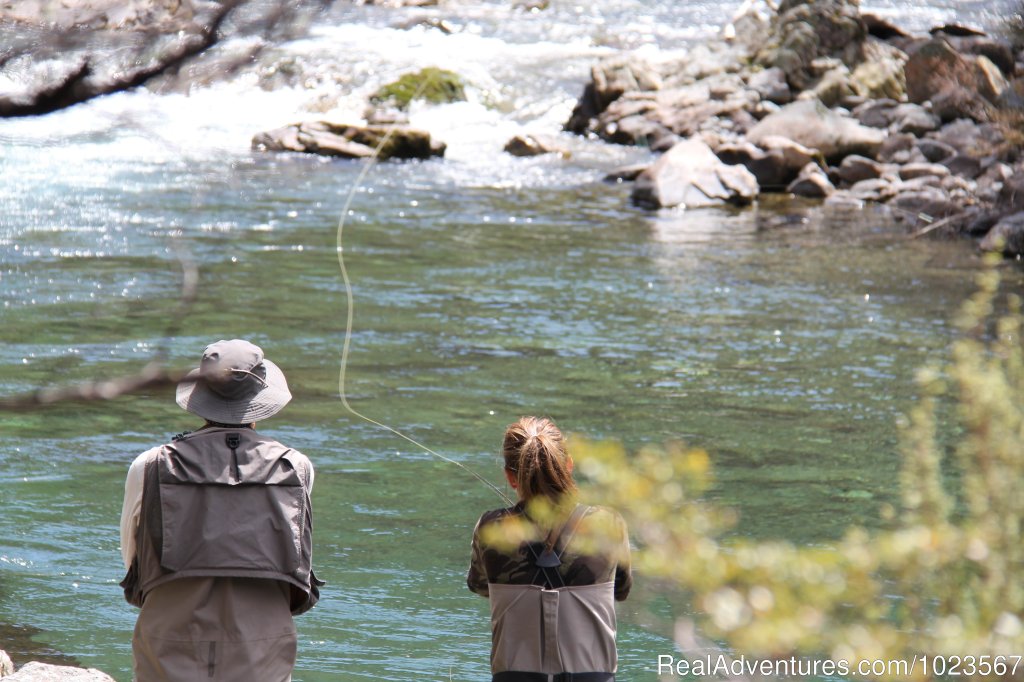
917,170
876,113
894,146
332,139
1007,237
1011,195
833,87
44,672
855,168
691,175
935,151
805,31
812,182
626,173
991,81
914,119
881,73
878,190
609,80
6,665
535,145
771,85
964,165
812,125
999,52
923,205
775,165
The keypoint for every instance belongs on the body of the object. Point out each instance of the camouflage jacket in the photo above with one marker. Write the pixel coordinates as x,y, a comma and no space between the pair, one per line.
506,543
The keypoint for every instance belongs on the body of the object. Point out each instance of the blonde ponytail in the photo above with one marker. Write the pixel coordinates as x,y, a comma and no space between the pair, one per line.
535,453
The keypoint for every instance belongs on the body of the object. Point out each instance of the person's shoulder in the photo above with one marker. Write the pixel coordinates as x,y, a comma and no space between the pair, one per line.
497,515
604,518
146,457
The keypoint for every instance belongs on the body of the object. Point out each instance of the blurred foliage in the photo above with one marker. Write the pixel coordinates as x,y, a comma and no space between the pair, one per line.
944,578
432,84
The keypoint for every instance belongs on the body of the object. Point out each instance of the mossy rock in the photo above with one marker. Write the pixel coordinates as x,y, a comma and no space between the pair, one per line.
431,84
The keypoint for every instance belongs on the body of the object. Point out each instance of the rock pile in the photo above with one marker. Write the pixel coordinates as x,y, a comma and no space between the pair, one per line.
822,101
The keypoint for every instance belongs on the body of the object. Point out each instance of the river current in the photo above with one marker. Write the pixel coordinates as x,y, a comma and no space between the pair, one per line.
783,338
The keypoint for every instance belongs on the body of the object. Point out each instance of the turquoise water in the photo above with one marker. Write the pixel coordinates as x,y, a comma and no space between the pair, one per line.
782,338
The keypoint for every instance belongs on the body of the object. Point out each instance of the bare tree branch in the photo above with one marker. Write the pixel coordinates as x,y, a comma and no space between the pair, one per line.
153,375
80,84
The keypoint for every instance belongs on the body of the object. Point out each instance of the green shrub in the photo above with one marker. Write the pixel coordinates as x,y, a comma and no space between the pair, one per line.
947,579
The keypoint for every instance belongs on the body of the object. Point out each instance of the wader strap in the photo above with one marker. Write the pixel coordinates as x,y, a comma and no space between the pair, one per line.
513,676
555,544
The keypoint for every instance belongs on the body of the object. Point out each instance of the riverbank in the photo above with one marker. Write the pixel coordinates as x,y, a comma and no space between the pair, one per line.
820,100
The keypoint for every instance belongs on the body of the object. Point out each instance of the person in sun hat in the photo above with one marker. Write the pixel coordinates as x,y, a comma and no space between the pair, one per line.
216,532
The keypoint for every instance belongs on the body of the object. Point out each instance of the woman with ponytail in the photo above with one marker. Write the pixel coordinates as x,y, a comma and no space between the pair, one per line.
551,567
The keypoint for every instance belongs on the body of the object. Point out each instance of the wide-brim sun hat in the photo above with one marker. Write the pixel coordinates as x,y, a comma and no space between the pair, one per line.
234,384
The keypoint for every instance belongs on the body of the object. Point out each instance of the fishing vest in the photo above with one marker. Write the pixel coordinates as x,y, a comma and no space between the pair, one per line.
225,502
561,634
553,634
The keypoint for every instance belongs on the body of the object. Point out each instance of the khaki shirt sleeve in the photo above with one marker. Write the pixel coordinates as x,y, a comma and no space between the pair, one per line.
476,580
131,508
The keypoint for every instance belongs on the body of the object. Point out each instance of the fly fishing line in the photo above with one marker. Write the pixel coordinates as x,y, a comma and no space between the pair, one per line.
350,299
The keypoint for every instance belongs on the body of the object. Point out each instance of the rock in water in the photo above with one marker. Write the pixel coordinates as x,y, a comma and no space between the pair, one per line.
535,145
812,182
44,672
1007,236
689,174
352,142
811,124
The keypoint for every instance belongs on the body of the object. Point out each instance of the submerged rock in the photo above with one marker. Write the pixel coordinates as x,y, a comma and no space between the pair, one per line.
691,175
535,145
347,141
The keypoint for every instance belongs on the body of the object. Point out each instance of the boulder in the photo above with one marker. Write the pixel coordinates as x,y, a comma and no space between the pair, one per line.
881,28
876,113
771,85
935,151
991,82
918,170
855,168
923,205
774,165
431,84
963,165
833,87
813,125
535,145
609,80
812,182
6,665
691,175
880,74
896,148
999,52
951,82
914,119
45,672
1007,237
804,31
877,190
626,173
347,141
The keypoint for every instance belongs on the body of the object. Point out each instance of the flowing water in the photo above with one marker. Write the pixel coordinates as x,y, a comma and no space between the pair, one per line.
782,338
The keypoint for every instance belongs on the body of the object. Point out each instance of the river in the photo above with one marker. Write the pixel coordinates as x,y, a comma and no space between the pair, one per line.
782,338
